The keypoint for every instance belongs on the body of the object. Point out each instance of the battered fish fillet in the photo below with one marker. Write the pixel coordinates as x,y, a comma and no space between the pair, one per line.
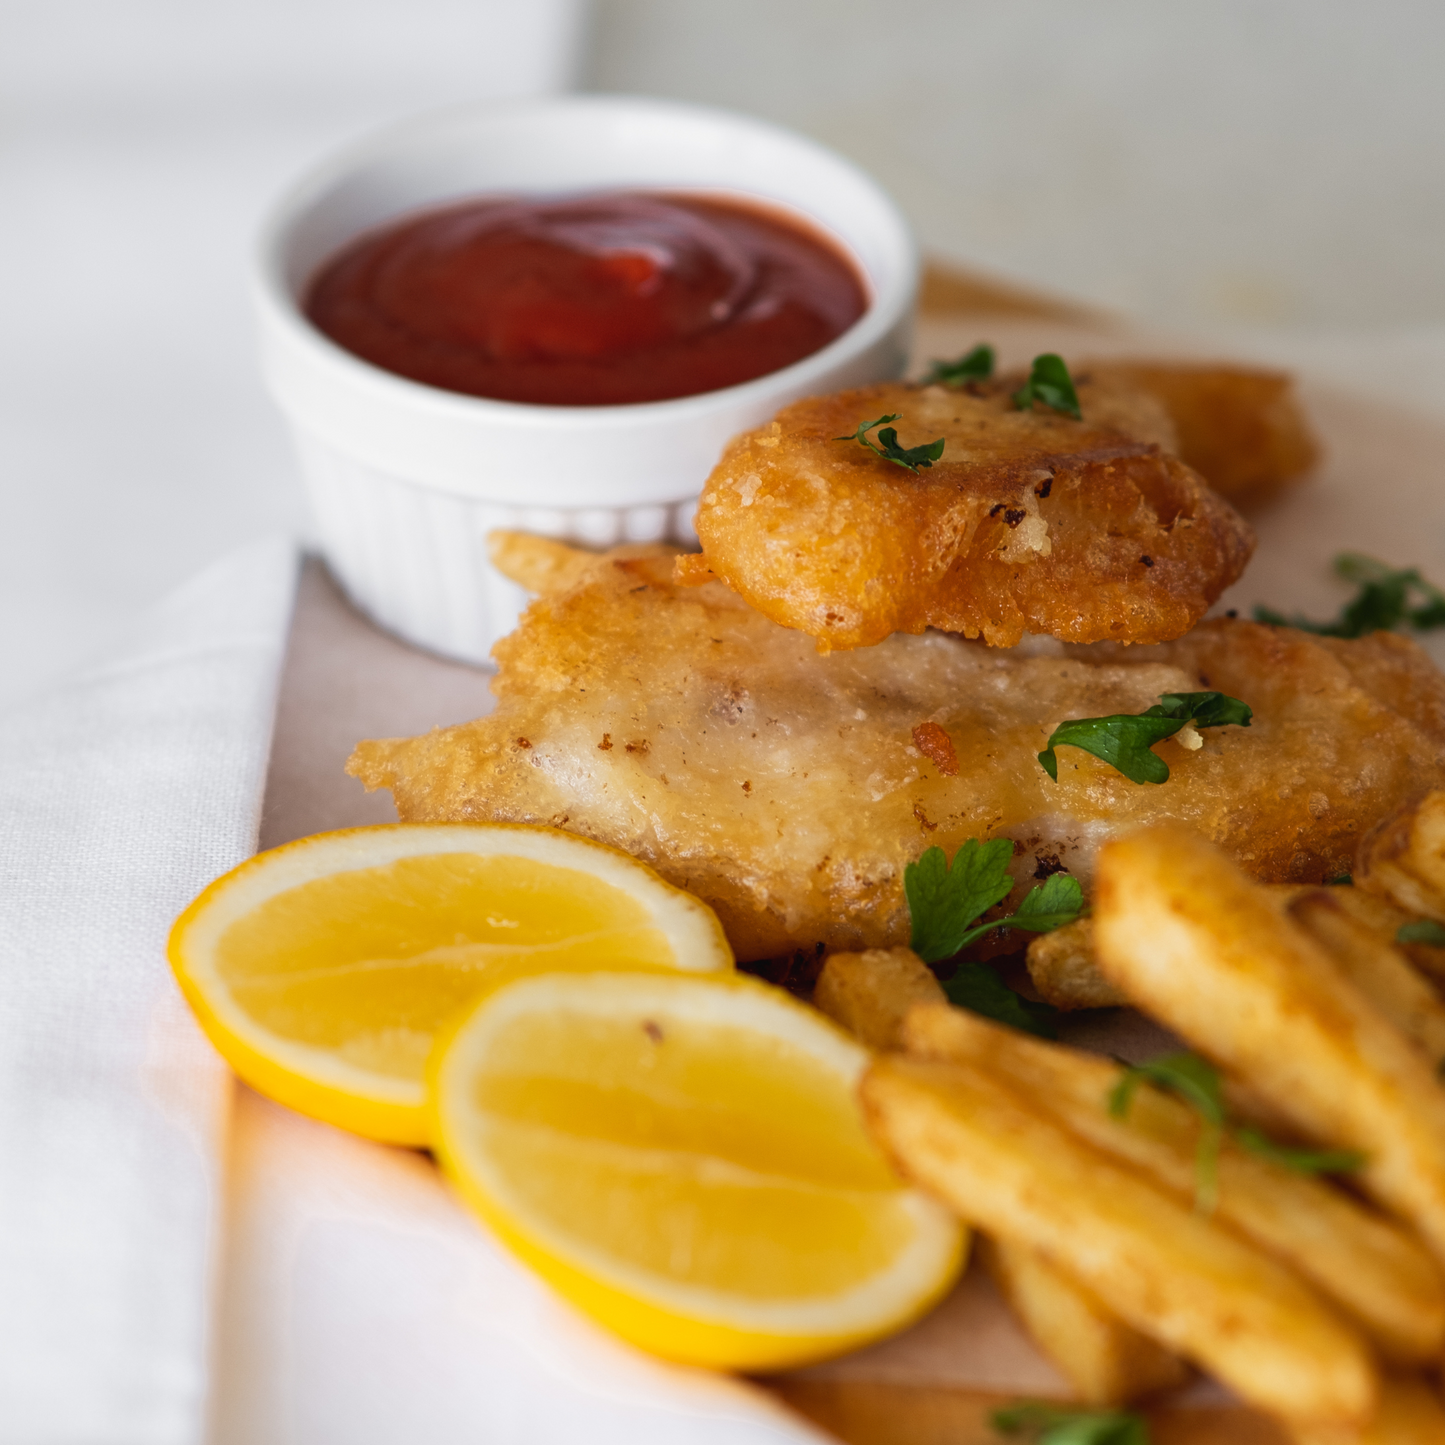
789,789
1243,430
1031,521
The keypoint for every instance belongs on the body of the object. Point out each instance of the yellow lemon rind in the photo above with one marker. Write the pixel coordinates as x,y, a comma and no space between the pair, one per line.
660,1316
314,1081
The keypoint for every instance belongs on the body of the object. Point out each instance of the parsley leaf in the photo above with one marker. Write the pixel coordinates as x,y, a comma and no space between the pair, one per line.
944,901
945,904
1125,740
1387,598
887,445
976,365
1302,1161
1052,1425
1196,1081
979,989
1422,930
1049,382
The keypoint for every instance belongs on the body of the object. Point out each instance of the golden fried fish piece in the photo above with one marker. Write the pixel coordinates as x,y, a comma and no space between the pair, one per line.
1030,522
1241,428
786,788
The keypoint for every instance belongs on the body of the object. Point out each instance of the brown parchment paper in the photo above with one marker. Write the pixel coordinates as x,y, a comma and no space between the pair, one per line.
1380,489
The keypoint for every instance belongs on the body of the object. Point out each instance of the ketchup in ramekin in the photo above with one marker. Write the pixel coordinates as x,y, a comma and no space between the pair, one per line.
597,300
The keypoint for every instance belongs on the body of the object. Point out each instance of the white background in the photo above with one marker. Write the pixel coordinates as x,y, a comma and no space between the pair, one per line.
1268,173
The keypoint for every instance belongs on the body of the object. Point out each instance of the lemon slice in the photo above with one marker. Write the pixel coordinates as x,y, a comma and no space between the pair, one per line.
322,970
685,1160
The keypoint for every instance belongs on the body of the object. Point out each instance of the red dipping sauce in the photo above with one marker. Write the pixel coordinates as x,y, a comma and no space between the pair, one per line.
596,300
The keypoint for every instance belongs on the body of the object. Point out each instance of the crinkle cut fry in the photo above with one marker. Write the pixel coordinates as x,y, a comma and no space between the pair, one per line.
1030,522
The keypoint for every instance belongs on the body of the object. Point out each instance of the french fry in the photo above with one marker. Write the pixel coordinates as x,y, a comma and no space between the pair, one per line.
1062,967
1410,1414
1376,967
1384,919
1006,1167
1215,957
869,993
1106,1361
1404,858
1371,1268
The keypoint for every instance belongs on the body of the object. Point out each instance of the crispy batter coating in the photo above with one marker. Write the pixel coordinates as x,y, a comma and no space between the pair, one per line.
1242,429
1031,521
786,787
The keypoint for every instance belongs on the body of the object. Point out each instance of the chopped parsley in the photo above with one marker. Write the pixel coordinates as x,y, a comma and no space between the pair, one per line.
887,444
1196,1082
1422,930
1056,1425
1125,740
1388,597
945,904
1049,382
975,365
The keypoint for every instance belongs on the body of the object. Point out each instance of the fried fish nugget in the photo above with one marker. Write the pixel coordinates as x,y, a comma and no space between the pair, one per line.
964,1135
1030,522
786,789
1241,428
1106,1361
1190,939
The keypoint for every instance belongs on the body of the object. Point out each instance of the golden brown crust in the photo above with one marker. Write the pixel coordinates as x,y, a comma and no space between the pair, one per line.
786,789
1241,428
1030,522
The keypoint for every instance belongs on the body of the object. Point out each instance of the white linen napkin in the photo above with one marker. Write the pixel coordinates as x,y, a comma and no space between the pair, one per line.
359,1304
122,792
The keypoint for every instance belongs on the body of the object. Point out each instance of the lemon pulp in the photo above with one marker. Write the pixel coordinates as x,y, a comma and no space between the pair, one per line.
687,1161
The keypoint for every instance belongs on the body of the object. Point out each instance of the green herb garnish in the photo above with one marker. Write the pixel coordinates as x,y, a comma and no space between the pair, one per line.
975,365
1051,1425
945,904
887,445
1049,382
1125,740
1196,1082
976,987
1422,930
1388,597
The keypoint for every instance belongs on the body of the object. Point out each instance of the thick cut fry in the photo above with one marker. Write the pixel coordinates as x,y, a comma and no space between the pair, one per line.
1216,958
1031,521
1241,429
1106,1361
1404,858
1371,1268
870,992
1062,967
1384,919
1376,967
1410,1413
1006,1167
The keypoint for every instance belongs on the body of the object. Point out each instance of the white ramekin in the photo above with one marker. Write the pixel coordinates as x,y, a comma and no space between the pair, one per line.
406,480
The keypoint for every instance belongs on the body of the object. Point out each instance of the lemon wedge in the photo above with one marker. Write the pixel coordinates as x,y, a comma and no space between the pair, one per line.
685,1160
323,969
